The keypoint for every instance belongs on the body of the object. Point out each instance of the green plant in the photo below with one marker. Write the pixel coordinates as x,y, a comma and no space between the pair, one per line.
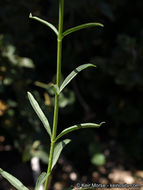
55,148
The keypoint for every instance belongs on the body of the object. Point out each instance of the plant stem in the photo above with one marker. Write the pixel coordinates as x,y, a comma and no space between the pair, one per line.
56,107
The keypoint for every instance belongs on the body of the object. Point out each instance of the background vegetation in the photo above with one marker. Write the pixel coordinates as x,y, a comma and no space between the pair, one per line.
112,93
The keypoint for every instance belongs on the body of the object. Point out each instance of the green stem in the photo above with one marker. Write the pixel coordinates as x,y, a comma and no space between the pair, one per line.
56,107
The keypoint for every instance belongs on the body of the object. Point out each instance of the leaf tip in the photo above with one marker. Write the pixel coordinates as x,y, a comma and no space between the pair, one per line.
92,65
68,140
28,93
30,15
102,25
103,122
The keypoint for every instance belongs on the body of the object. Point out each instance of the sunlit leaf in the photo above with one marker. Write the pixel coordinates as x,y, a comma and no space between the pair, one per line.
78,126
44,22
41,179
74,73
82,26
58,149
39,112
13,180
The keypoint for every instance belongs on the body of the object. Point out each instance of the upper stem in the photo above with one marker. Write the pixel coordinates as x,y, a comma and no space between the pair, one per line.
59,60
56,107
60,34
61,16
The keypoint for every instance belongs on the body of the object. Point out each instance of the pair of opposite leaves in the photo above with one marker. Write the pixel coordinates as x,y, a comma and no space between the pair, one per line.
59,146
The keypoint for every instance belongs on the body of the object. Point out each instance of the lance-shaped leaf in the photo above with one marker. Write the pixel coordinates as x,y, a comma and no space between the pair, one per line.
58,149
13,180
45,22
41,179
78,126
39,112
74,73
82,26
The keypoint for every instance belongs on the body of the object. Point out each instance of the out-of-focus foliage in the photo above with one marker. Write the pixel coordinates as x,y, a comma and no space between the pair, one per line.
115,88
18,122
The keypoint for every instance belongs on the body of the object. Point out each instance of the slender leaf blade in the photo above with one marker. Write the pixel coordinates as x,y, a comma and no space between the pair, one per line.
58,149
41,179
82,26
74,73
44,22
13,180
78,126
39,112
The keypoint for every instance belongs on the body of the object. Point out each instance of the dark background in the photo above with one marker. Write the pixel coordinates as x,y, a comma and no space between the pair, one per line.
112,92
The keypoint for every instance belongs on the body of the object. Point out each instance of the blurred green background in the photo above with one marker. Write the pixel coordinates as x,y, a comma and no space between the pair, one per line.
112,92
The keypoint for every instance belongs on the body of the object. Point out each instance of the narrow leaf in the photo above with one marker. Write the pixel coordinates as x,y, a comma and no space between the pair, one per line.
44,22
13,180
74,73
58,149
39,112
78,126
82,26
41,179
